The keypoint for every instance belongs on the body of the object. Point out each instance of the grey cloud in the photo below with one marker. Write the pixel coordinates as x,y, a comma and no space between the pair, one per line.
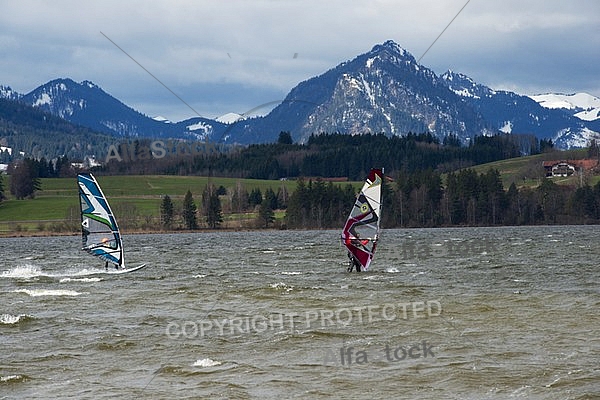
241,52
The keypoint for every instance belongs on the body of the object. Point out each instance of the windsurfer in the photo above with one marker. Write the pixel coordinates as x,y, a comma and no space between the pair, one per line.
353,263
353,260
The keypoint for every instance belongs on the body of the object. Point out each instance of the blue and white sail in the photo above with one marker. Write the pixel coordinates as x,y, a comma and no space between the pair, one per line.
100,233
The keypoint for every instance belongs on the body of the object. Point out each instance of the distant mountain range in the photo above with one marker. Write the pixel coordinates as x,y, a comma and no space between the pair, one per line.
86,104
513,113
382,91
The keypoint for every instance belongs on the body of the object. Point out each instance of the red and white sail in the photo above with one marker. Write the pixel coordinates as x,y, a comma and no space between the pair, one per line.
361,230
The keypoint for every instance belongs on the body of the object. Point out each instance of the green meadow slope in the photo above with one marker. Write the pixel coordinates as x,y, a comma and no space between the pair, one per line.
528,171
56,207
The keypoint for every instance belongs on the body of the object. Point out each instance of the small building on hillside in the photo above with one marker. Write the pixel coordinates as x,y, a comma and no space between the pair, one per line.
88,162
568,167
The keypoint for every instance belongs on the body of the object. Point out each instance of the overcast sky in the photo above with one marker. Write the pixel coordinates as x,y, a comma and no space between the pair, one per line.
232,55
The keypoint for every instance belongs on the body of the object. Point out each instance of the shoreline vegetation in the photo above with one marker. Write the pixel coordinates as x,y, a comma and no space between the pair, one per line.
513,192
63,227
428,184
38,228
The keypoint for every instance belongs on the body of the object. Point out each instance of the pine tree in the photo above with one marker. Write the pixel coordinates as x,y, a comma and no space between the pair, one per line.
24,180
255,197
166,212
285,138
266,215
2,197
212,206
189,211
239,199
271,198
296,212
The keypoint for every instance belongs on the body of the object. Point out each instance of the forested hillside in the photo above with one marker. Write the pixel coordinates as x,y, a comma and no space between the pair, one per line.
327,155
26,129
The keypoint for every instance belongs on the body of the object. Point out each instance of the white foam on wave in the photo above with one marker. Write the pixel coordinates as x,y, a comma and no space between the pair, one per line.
23,271
291,273
28,271
80,280
47,292
281,285
9,378
206,362
9,319
392,270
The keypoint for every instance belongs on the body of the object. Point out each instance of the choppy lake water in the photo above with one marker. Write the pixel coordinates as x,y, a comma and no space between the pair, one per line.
477,313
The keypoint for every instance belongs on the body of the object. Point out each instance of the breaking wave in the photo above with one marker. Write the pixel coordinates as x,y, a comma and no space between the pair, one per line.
47,292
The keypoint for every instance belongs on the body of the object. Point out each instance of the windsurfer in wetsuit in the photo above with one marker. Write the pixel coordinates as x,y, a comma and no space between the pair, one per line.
353,263
353,260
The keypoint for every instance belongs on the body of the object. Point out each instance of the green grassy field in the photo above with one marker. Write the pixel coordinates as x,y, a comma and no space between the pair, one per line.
56,206
155,185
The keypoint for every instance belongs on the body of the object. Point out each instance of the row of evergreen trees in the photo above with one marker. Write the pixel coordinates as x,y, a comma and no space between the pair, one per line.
466,199
211,208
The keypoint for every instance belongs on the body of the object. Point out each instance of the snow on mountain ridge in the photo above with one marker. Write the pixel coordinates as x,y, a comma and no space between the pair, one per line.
566,138
392,46
43,99
229,118
7,93
590,115
160,118
465,86
575,100
585,106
